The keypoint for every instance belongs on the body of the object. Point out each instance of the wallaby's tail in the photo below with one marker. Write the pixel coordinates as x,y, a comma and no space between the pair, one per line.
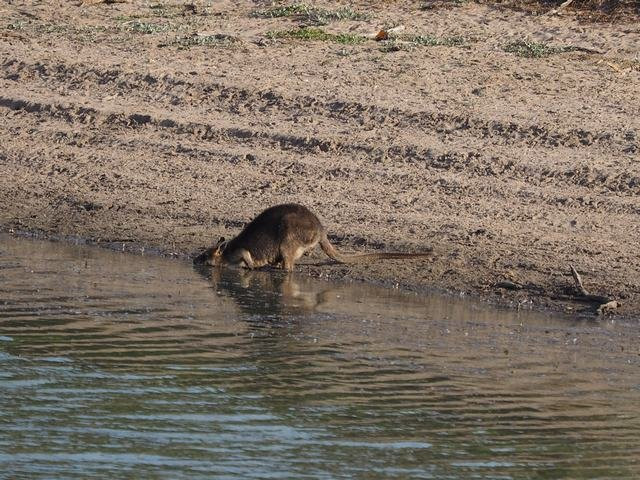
331,251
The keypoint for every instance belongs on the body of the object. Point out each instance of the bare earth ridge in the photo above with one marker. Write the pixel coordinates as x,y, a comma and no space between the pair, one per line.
164,126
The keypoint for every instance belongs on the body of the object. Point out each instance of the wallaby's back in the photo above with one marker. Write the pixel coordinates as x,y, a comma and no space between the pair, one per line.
283,227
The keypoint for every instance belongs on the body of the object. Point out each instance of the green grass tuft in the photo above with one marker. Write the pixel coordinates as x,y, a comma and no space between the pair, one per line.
311,14
317,34
407,42
524,48
433,41
139,26
17,25
215,40
288,11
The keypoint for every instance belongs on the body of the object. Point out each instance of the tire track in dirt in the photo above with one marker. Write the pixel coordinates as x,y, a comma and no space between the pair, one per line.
274,165
219,159
470,163
242,101
408,156
364,185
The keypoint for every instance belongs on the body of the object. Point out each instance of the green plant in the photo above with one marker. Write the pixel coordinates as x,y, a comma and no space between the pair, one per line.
397,42
308,33
288,11
216,40
433,41
139,26
170,10
524,48
393,45
311,14
17,25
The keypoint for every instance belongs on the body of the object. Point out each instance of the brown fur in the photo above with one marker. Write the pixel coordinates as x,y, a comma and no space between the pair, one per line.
280,235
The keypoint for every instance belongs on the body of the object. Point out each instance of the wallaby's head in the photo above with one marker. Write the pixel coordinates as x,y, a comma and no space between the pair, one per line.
212,255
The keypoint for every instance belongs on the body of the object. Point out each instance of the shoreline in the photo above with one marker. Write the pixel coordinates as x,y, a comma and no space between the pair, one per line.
309,267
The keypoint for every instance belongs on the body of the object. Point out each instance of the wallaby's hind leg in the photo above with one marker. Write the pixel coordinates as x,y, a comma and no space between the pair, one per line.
290,255
289,258
248,259
288,263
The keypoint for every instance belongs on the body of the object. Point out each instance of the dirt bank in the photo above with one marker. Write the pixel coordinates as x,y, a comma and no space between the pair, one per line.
165,126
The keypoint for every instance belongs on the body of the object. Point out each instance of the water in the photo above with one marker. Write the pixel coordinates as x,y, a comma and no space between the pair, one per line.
116,366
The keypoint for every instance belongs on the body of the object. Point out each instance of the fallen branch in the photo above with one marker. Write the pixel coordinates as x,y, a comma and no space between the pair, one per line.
562,6
97,2
605,303
506,284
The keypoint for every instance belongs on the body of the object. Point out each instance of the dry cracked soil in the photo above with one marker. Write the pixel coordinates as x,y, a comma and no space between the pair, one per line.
162,126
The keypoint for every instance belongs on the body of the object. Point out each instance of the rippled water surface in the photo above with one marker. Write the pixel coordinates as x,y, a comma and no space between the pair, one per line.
117,366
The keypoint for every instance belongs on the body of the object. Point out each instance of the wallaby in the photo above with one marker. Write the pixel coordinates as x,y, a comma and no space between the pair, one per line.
280,235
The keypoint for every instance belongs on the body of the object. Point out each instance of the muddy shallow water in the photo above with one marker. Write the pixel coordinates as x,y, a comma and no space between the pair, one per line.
120,366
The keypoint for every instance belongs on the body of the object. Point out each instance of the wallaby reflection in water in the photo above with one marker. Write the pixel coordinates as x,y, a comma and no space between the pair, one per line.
267,294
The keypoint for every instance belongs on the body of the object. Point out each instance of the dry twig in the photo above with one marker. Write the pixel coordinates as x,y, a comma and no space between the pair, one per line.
561,7
605,303
96,2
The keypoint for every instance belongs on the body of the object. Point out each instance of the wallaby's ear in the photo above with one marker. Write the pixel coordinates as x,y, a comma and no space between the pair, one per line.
220,242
